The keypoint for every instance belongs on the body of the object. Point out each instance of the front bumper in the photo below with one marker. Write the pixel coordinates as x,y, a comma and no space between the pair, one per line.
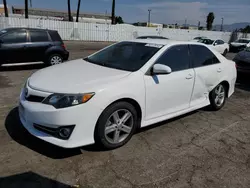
83,116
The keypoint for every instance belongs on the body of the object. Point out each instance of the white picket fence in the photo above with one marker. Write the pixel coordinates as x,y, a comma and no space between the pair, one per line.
107,32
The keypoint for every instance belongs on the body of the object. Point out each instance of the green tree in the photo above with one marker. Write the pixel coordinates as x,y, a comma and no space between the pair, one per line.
119,20
210,20
5,8
246,29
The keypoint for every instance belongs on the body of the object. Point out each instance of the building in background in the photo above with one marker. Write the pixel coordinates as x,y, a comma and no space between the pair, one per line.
61,15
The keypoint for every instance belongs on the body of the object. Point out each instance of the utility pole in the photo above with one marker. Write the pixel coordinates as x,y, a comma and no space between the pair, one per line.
26,9
222,20
185,22
149,14
113,12
78,10
30,3
199,24
5,8
69,11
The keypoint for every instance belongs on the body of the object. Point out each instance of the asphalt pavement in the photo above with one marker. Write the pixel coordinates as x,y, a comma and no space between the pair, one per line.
202,149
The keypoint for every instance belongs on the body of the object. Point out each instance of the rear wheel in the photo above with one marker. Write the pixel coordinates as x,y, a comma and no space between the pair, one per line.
55,59
116,125
217,97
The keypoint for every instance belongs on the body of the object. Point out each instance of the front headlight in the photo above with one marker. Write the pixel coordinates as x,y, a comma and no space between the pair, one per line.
67,100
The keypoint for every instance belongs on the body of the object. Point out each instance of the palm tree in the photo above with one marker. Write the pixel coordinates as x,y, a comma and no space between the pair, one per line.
26,9
113,12
78,10
69,11
5,8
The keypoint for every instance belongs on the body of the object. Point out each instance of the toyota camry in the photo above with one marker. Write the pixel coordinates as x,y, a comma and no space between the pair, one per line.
105,97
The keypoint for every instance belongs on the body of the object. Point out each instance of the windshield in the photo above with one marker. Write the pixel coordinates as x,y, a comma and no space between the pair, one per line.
128,56
206,41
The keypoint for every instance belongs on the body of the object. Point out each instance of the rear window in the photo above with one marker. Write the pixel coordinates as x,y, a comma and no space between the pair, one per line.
39,36
55,36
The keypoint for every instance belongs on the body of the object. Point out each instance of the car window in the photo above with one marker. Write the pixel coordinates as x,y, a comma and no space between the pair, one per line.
221,42
55,36
14,37
39,36
177,58
128,56
206,41
202,56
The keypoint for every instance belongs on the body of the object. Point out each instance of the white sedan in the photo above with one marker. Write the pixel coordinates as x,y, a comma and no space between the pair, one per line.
218,45
107,96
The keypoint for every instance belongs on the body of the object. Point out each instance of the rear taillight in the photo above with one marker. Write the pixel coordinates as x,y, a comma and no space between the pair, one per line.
63,45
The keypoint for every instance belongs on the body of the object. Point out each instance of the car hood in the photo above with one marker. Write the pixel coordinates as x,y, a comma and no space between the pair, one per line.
76,76
243,56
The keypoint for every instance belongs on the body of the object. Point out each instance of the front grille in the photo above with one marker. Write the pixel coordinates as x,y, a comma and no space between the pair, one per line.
33,98
243,64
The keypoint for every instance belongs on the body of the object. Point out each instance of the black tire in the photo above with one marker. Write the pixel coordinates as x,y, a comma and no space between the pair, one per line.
214,104
225,52
100,136
51,58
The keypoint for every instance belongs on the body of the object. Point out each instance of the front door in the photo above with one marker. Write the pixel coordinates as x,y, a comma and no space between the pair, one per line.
172,92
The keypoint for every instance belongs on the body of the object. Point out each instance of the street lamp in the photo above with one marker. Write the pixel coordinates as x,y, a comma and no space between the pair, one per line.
222,20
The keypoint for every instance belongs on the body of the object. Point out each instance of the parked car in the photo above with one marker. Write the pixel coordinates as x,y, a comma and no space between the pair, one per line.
22,45
239,44
242,60
151,37
106,96
196,39
219,45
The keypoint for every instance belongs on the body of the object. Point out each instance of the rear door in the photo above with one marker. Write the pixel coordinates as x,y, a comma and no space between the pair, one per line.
208,71
39,42
12,47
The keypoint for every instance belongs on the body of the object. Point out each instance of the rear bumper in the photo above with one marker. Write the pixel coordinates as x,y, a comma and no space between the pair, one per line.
65,55
236,48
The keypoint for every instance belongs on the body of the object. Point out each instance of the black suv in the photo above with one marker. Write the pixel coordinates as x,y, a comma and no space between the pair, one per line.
22,45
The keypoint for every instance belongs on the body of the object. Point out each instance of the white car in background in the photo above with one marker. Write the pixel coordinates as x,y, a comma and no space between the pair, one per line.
105,97
219,45
239,44
196,39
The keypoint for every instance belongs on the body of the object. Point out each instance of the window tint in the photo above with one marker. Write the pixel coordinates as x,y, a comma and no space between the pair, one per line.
220,42
177,58
39,36
202,56
55,36
129,56
14,37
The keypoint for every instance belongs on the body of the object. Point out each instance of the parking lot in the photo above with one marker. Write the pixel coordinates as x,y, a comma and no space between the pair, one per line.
200,149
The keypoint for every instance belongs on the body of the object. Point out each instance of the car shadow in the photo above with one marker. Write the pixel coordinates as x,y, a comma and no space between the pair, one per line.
18,133
30,180
243,82
22,67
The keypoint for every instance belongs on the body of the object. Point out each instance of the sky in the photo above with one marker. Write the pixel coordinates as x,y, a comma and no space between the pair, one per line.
163,11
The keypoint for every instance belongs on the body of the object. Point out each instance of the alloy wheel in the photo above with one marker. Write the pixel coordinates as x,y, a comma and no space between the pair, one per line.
55,60
219,95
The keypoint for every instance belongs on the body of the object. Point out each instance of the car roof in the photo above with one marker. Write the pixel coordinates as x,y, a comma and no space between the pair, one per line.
20,28
165,42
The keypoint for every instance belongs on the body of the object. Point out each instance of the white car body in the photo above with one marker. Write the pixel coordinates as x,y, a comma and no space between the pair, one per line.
237,44
220,46
159,97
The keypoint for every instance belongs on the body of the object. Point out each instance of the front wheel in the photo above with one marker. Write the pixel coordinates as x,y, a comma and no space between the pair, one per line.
217,97
116,125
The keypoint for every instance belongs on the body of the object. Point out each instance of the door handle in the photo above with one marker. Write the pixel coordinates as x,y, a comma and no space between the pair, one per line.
219,70
189,76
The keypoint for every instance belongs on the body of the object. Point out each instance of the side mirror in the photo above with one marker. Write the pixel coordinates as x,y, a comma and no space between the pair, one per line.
215,44
161,69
